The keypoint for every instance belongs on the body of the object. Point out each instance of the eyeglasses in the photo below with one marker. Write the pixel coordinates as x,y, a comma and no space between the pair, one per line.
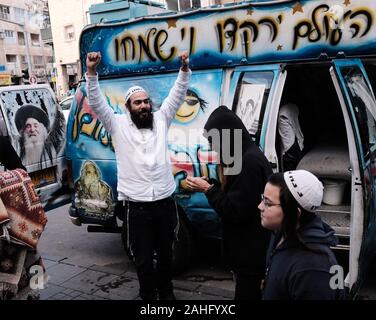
268,204
138,102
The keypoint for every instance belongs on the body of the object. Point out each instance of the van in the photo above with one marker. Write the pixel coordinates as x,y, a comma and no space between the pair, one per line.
32,120
254,58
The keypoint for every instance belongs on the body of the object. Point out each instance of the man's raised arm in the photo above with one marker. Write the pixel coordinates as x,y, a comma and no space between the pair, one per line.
96,100
178,92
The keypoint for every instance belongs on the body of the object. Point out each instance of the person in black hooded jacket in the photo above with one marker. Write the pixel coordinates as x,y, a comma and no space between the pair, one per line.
236,199
299,257
8,156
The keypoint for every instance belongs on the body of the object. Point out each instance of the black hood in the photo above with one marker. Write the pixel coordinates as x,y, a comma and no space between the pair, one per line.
316,231
223,118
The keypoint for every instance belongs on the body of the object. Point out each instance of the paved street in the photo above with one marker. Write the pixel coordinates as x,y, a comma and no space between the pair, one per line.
94,266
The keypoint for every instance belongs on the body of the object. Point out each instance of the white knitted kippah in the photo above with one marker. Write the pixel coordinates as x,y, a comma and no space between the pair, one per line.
132,90
305,188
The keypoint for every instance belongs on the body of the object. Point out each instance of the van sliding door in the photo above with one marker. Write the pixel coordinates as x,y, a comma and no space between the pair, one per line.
359,109
255,93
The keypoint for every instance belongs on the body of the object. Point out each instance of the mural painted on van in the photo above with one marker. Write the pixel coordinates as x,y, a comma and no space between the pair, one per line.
92,193
189,151
235,35
38,125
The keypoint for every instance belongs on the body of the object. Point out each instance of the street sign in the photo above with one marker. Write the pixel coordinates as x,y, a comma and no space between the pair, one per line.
33,79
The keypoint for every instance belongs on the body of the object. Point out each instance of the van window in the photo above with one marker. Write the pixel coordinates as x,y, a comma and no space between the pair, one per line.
250,100
364,107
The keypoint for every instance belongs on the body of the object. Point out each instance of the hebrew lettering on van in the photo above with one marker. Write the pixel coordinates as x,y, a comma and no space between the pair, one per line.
38,123
151,46
245,33
332,23
230,30
92,193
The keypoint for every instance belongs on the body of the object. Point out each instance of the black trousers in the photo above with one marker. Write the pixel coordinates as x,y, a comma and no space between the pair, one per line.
151,233
291,157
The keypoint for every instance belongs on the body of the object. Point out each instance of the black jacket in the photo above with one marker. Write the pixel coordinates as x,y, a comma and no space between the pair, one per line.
244,239
8,156
296,273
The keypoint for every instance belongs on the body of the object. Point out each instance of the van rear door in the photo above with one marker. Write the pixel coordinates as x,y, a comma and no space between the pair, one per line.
359,109
256,93
36,127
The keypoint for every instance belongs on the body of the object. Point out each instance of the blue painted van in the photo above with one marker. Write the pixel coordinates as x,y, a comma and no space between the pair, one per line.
254,58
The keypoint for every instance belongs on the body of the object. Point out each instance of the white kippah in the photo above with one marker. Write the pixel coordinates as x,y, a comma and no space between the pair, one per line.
133,90
305,188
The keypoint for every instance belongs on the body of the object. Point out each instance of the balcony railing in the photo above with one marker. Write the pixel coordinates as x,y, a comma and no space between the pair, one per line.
4,16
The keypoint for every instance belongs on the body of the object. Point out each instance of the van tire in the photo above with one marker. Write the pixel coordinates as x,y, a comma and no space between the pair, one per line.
182,247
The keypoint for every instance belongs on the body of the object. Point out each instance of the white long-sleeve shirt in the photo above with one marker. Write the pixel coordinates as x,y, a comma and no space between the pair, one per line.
143,163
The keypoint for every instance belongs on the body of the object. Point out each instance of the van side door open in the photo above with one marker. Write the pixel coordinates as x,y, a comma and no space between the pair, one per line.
359,109
255,90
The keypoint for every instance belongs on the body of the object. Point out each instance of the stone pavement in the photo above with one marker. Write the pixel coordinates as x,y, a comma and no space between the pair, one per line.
69,281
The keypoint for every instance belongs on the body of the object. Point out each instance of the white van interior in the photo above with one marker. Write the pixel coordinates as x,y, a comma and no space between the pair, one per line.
326,151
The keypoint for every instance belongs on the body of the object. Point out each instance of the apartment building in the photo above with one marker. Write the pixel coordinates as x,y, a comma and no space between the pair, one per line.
23,54
179,5
68,18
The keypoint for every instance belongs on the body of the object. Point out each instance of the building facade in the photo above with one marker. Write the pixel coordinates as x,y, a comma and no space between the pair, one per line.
23,54
179,5
68,18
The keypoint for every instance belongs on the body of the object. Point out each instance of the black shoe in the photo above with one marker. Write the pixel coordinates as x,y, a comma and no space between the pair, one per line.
167,296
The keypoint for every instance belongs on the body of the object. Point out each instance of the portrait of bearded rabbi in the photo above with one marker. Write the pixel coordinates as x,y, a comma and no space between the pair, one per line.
38,142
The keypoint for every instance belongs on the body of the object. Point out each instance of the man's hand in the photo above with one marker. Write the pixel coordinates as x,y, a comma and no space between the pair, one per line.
92,60
198,184
184,60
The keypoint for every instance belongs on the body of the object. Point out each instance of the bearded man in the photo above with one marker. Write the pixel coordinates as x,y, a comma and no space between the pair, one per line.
38,144
91,192
144,175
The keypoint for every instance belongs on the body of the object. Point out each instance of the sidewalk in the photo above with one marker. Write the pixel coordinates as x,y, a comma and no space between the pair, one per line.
74,282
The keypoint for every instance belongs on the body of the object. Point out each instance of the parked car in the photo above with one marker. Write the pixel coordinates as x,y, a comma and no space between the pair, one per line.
33,121
65,106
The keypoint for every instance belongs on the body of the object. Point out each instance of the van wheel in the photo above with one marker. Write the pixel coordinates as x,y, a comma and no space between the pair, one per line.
182,249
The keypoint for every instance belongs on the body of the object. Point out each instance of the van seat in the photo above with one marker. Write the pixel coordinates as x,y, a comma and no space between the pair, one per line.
327,161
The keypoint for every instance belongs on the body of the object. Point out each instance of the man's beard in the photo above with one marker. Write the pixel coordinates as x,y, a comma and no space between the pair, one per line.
89,179
34,146
143,119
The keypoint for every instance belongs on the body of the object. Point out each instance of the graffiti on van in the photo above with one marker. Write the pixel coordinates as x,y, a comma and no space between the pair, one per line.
38,124
92,193
190,108
197,161
239,35
86,121
189,151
